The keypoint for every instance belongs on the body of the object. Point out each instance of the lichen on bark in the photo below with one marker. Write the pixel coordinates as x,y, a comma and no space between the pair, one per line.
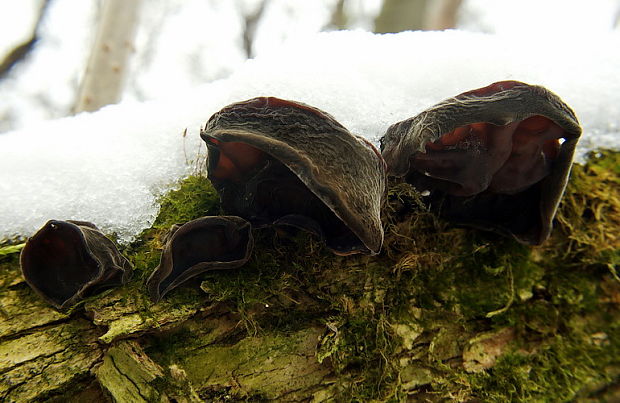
442,313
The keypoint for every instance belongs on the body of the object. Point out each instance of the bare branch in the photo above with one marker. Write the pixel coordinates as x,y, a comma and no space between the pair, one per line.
20,51
249,32
338,19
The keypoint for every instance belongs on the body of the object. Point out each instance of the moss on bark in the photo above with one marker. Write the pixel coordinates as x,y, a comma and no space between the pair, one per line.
442,313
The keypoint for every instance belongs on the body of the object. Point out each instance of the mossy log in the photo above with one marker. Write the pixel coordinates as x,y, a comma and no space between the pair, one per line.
442,313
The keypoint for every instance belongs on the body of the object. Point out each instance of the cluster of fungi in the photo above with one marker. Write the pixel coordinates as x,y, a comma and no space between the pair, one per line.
496,158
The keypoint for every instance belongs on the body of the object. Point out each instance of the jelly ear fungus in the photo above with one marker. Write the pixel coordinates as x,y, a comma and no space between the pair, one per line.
285,163
207,243
496,157
66,261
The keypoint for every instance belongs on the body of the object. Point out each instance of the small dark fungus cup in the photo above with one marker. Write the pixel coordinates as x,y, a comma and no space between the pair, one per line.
496,158
204,244
66,261
285,163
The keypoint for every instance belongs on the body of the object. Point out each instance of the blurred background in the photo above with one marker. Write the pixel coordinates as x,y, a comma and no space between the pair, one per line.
60,57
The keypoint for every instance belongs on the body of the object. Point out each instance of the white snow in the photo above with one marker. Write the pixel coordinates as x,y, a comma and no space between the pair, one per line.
109,167
285,20
535,17
181,44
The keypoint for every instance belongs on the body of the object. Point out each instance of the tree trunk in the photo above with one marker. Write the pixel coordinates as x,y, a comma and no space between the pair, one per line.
405,15
441,14
108,64
442,313
401,15
338,19
251,19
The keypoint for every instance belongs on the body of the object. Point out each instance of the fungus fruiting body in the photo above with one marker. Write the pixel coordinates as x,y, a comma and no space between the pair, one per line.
200,245
496,157
66,261
284,163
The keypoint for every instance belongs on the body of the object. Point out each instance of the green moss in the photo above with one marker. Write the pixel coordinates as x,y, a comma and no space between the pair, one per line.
568,279
396,325
272,290
587,223
267,366
466,282
564,368
194,198
9,270
11,249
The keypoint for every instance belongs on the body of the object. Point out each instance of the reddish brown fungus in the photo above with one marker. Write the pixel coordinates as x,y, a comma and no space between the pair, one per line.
204,244
66,261
235,159
498,156
493,88
297,167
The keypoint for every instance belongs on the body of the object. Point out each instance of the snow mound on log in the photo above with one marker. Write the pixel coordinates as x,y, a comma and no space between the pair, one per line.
110,166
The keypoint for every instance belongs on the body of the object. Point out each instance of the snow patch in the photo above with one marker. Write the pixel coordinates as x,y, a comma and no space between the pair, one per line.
110,166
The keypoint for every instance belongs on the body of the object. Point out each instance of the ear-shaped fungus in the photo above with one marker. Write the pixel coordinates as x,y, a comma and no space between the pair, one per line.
66,261
278,162
499,157
207,243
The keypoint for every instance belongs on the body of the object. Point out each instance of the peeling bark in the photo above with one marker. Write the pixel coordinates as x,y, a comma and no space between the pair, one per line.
129,375
46,354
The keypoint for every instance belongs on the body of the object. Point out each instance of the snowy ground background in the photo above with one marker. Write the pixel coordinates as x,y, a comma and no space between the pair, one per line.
110,166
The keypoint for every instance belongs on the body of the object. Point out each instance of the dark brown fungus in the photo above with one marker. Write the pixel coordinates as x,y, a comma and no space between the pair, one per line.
278,162
66,261
207,243
496,157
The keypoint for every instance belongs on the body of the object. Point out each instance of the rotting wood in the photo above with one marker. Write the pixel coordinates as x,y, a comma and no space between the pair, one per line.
300,324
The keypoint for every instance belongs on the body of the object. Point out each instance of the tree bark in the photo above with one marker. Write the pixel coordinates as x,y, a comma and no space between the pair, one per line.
45,354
